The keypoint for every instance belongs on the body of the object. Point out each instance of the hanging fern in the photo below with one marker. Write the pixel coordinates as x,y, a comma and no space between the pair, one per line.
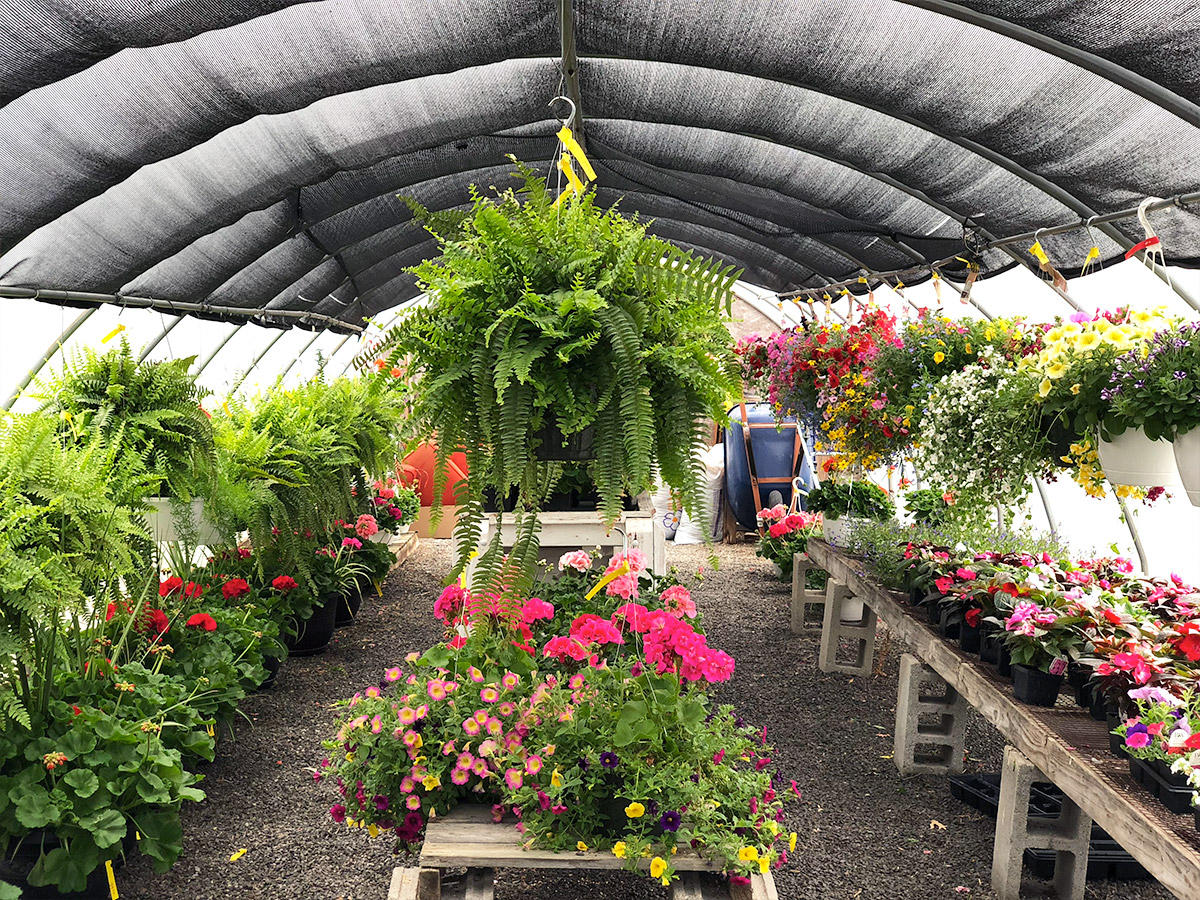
545,323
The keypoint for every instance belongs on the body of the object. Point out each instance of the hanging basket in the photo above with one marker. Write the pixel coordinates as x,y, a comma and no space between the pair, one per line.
1187,461
1132,458
551,444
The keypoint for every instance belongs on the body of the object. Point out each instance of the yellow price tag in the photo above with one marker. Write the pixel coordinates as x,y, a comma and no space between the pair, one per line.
1039,254
112,879
112,334
238,854
622,569
572,145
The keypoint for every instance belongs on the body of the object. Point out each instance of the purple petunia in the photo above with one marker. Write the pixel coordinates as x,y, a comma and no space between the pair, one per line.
669,821
609,760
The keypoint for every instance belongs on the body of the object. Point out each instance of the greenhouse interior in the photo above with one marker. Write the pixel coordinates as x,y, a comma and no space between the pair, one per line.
507,449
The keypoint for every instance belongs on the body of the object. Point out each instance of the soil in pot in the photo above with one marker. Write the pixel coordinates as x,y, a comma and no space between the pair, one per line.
348,605
969,638
1035,687
314,633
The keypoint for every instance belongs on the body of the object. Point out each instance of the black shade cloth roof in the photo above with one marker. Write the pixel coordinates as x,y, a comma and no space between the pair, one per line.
247,153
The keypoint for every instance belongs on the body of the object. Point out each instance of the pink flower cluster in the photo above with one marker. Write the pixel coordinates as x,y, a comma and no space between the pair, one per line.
792,523
535,609
626,586
579,560
1026,616
588,632
678,601
366,526
673,646
776,513
451,602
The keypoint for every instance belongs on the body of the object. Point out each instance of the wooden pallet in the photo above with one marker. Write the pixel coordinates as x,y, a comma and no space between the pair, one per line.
467,838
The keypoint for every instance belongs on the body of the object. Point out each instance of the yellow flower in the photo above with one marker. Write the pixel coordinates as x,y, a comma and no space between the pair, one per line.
1070,329
748,854
581,846
373,830
349,757
1045,387
1089,341
556,778
1075,388
1056,370
431,782
939,357
619,849
674,850
635,810
792,842
657,866
1101,325
968,348
988,334
666,881
764,865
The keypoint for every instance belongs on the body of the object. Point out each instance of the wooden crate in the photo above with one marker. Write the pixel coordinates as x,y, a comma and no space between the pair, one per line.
467,838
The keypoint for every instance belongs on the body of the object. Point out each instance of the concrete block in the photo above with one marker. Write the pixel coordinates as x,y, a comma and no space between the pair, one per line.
928,748
859,633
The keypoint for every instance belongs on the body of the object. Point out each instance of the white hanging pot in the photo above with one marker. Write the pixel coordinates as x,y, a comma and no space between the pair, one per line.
1132,458
836,530
163,527
1187,461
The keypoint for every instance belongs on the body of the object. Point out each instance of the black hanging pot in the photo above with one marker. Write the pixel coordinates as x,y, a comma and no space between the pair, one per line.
314,633
1059,439
347,606
551,444
1035,687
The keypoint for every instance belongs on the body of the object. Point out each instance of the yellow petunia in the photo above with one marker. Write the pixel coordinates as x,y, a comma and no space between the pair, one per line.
1057,370
748,854
1075,388
939,357
764,865
1088,341
619,849
556,778
1045,387
1101,325
657,866
635,810
581,846
431,782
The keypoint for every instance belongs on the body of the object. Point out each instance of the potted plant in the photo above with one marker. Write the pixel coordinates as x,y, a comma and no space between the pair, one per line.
1041,641
788,534
555,331
1157,389
841,504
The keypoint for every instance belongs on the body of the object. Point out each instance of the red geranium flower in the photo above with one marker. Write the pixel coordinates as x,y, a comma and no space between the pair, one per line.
202,620
157,622
234,588
192,590
112,611
170,586
284,583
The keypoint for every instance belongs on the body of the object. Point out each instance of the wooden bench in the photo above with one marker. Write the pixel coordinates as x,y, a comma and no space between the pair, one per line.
1064,743
468,839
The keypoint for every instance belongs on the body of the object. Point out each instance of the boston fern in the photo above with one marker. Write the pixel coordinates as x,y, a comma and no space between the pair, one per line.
559,332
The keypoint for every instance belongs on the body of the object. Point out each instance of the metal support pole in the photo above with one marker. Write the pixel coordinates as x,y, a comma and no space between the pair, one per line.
311,341
1041,489
1143,560
149,348
256,361
225,340
50,353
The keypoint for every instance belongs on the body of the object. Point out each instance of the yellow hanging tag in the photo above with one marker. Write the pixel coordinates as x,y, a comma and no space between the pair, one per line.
137,835
937,287
572,145
622,569
1093,256
899,285
211,731
828,307
870,298
564,164
462,578
238,854
862,279
112,880
225,406
1039,254
112,334
844,292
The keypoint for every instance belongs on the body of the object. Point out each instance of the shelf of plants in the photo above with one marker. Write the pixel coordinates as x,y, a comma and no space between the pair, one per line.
125,659
1123,642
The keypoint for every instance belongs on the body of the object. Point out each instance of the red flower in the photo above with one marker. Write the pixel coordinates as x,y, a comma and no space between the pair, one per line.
192,590
202,620
112,611
170,586
1112,616
972,617
234,588
284,583
157,622
75,710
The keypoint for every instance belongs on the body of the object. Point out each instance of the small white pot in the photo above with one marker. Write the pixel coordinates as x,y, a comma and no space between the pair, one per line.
163,527
403,529
1187,461
380,537
1133,459
836,530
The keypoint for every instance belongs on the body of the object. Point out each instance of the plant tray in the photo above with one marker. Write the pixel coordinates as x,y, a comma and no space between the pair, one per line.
1106,858
468,838
1177,799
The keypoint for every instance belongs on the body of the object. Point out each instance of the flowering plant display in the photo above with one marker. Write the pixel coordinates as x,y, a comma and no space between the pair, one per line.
392,504
856,499
584,731
1041,636
928,506
786,535
1156,386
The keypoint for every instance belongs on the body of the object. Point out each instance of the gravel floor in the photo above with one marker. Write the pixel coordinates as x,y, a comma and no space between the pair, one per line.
866,833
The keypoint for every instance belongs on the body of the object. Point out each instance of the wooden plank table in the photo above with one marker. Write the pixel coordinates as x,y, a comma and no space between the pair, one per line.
468,838
1065,743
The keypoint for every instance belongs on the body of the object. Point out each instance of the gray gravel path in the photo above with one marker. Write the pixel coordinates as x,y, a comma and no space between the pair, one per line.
865,831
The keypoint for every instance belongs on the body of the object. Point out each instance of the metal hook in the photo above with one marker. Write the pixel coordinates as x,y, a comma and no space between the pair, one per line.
566,123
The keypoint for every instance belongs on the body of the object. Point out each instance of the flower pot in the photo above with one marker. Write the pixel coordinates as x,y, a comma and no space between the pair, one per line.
164,527
835,531
380,537
950,621
776,571
933,608
271,664
348,605
989,642
1116,746
316,631
1035,687
403,529
1187,462
1098,703
1059,439
550,444
1132,458
17,863
1004,664
969,638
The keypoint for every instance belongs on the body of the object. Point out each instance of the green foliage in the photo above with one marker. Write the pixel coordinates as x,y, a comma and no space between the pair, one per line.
548,326
857,499
1157,389
927,506
149,412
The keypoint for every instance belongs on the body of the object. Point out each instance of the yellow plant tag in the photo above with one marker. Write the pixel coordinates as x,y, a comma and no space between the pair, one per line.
225,406
112,334
112,879
564,166
622,569
238,854
1039,254
572,145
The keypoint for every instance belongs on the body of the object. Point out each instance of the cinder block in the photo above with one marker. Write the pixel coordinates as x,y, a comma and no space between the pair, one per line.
928,748
802,597
860,634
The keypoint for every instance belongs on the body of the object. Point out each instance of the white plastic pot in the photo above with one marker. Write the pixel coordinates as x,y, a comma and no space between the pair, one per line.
1133,459
778,572
163,527
1187,461
836,530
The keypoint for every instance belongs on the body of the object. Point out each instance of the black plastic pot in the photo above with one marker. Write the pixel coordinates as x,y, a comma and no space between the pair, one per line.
1004,664
1177,799
1059,439
933,607
969,638
1116,746
271,664
1196,816
1098,708
989,642
550,444
916,596
1035,687
15,868
950,621
347,607
315,632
